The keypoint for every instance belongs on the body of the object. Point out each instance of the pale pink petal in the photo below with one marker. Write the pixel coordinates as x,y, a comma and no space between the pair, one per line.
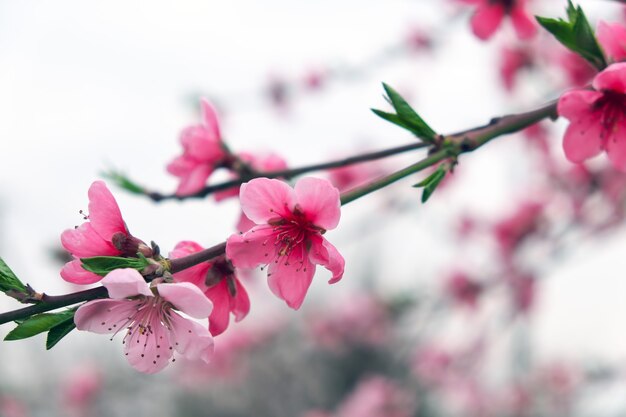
105,316
318,199
524,26
612,78
190,338
244,224
612,37
218,321
74,272
104,213
583,138
126,282
253,248
289,279
487,19
85,242
616,146
195,180
264,199
323,253
197,273
572,104
200,144
181,166
149,351
209,115
187,298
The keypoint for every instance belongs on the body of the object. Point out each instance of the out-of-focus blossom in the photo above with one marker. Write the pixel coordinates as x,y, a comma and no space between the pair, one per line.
612,37
577,70
511,231
512,61
105,234
12,407
431,364
288,235
81,388
463,289
418,40
523,288
153,328
351,176
218,281
203,152
597,118
489,15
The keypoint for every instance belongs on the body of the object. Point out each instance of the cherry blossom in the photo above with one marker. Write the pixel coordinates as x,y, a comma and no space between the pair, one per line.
153,327
612,37
104,234
203,152
288,234
597,118
489,14
219,283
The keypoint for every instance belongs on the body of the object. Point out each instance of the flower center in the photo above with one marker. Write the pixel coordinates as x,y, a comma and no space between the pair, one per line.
507,4
612,111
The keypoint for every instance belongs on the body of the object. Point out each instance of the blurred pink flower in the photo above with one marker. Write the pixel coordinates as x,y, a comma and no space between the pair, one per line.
351,176
512,61
612,37
512,230
597,118
288,235
203,152
80,389
431,364
377,396
153,328
218,281
577,70
105,234
463,290
11,407
489,14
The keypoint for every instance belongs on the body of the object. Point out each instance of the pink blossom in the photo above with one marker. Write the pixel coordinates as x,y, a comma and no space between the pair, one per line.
203,151
463,289
431,364
153,328
351,176
597,118
512,61
80,389
612,37
523,289
288,234
219,283
377,396
105,234
489,14
11,407
513,229
578,70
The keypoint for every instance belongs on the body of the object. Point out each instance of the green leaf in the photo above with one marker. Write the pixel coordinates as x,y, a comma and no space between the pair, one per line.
8,280
393,118
102,265
59,331
39,324
576,34
431,182
124,182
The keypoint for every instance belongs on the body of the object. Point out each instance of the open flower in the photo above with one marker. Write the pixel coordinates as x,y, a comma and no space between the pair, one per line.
597,118
288,234
219,283
203,151
105,234
153,328
489,14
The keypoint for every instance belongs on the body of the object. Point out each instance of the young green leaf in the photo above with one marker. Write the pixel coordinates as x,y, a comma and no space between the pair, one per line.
39,324
59,331
102,265
8,280
124,182
431,182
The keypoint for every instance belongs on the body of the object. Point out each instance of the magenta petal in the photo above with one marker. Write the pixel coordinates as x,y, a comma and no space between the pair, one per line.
197,273
85,242
148,351
264,199
104,316
524,26
583,138
74,272
126,282
218,321
319,200
486,20
616,146
289,279
612,78
195,180
200,144
187,298
104,213
241,304
209,115
253,248
573,104
612,37
190,338
324,253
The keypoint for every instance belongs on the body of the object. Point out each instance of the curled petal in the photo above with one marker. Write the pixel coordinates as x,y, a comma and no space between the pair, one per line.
218,321
487,19
289,277
264,199
612,78
190,338
74,272
253,248
324,253
104,213
187,298
319,200
126,282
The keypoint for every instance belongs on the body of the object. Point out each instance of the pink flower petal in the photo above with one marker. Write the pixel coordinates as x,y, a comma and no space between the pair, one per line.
583,138
289,279
126,282
487,19
74,272
200,145
240,306
197,273
264,199
319,200
104,213
612,78
209,115
218,321
149,351
191,339
524,26
616,146
573,104
612,37
85,242
195,180
187,298
323,253
253,248
244,224
105,316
